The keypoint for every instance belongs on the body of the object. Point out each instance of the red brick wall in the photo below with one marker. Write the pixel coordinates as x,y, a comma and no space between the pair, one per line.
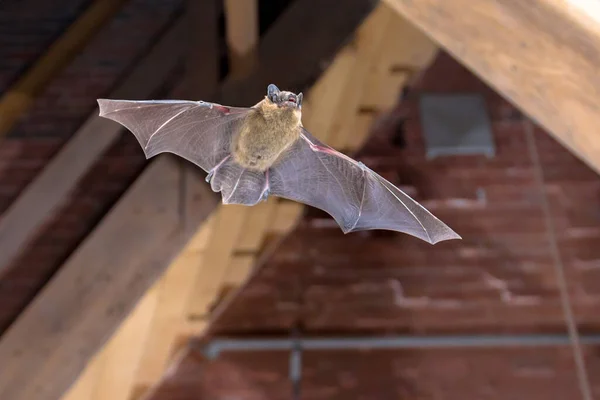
513,373
231,376
68,101
500,277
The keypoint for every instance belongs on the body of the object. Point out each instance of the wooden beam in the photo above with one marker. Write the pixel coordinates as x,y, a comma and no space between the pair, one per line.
48,191
68,322
51,342
542,55
242,35
20,96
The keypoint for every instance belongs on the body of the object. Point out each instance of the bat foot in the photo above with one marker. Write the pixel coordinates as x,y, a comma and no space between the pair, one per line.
265,195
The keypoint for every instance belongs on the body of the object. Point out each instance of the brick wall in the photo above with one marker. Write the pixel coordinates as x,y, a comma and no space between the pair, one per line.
231,376
500,277
55,116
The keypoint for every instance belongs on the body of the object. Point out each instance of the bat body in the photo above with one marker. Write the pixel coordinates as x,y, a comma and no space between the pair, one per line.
251,153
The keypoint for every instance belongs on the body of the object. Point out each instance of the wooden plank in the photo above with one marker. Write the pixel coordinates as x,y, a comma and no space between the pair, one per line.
86,383
53,339
48,191
20,96
542,55
241,33
255,226
367,49
115,381
230,222
175,289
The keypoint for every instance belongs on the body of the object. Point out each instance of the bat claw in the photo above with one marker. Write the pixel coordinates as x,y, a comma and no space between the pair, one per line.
211,173
209,176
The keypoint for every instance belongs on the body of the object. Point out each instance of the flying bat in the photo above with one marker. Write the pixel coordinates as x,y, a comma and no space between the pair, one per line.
253,152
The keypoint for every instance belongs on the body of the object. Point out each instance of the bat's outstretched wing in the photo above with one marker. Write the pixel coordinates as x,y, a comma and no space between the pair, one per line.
198,131
355,196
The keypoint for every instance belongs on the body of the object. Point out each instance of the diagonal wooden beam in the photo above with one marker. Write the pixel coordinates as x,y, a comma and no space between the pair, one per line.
52,340
542,55
20,96
48,191
84,303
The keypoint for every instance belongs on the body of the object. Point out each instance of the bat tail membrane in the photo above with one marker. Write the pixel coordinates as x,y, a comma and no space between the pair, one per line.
237,184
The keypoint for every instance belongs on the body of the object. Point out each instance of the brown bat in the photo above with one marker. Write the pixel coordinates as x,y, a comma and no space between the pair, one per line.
251,153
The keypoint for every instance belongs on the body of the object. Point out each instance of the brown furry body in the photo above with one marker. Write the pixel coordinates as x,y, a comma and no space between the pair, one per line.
266,133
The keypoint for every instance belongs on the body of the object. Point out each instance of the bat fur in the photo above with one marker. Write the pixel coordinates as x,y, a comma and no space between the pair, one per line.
267,131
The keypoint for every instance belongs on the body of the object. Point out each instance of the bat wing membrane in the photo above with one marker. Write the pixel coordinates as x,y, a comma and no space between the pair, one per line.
355,196
198,131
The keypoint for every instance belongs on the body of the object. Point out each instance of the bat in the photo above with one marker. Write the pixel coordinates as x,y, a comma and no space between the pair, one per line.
250,153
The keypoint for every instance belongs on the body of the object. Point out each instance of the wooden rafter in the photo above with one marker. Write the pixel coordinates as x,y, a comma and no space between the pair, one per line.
242,35
543,55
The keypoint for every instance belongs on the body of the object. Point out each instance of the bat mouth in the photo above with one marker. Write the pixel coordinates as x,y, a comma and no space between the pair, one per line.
289,103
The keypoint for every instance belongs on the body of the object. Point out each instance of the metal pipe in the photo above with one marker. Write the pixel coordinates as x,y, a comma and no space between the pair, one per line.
214,347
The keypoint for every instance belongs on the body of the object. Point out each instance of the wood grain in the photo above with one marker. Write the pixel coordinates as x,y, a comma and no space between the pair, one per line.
542,55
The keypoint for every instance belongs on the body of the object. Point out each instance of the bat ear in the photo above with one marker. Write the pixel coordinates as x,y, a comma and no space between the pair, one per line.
272,90
299,99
